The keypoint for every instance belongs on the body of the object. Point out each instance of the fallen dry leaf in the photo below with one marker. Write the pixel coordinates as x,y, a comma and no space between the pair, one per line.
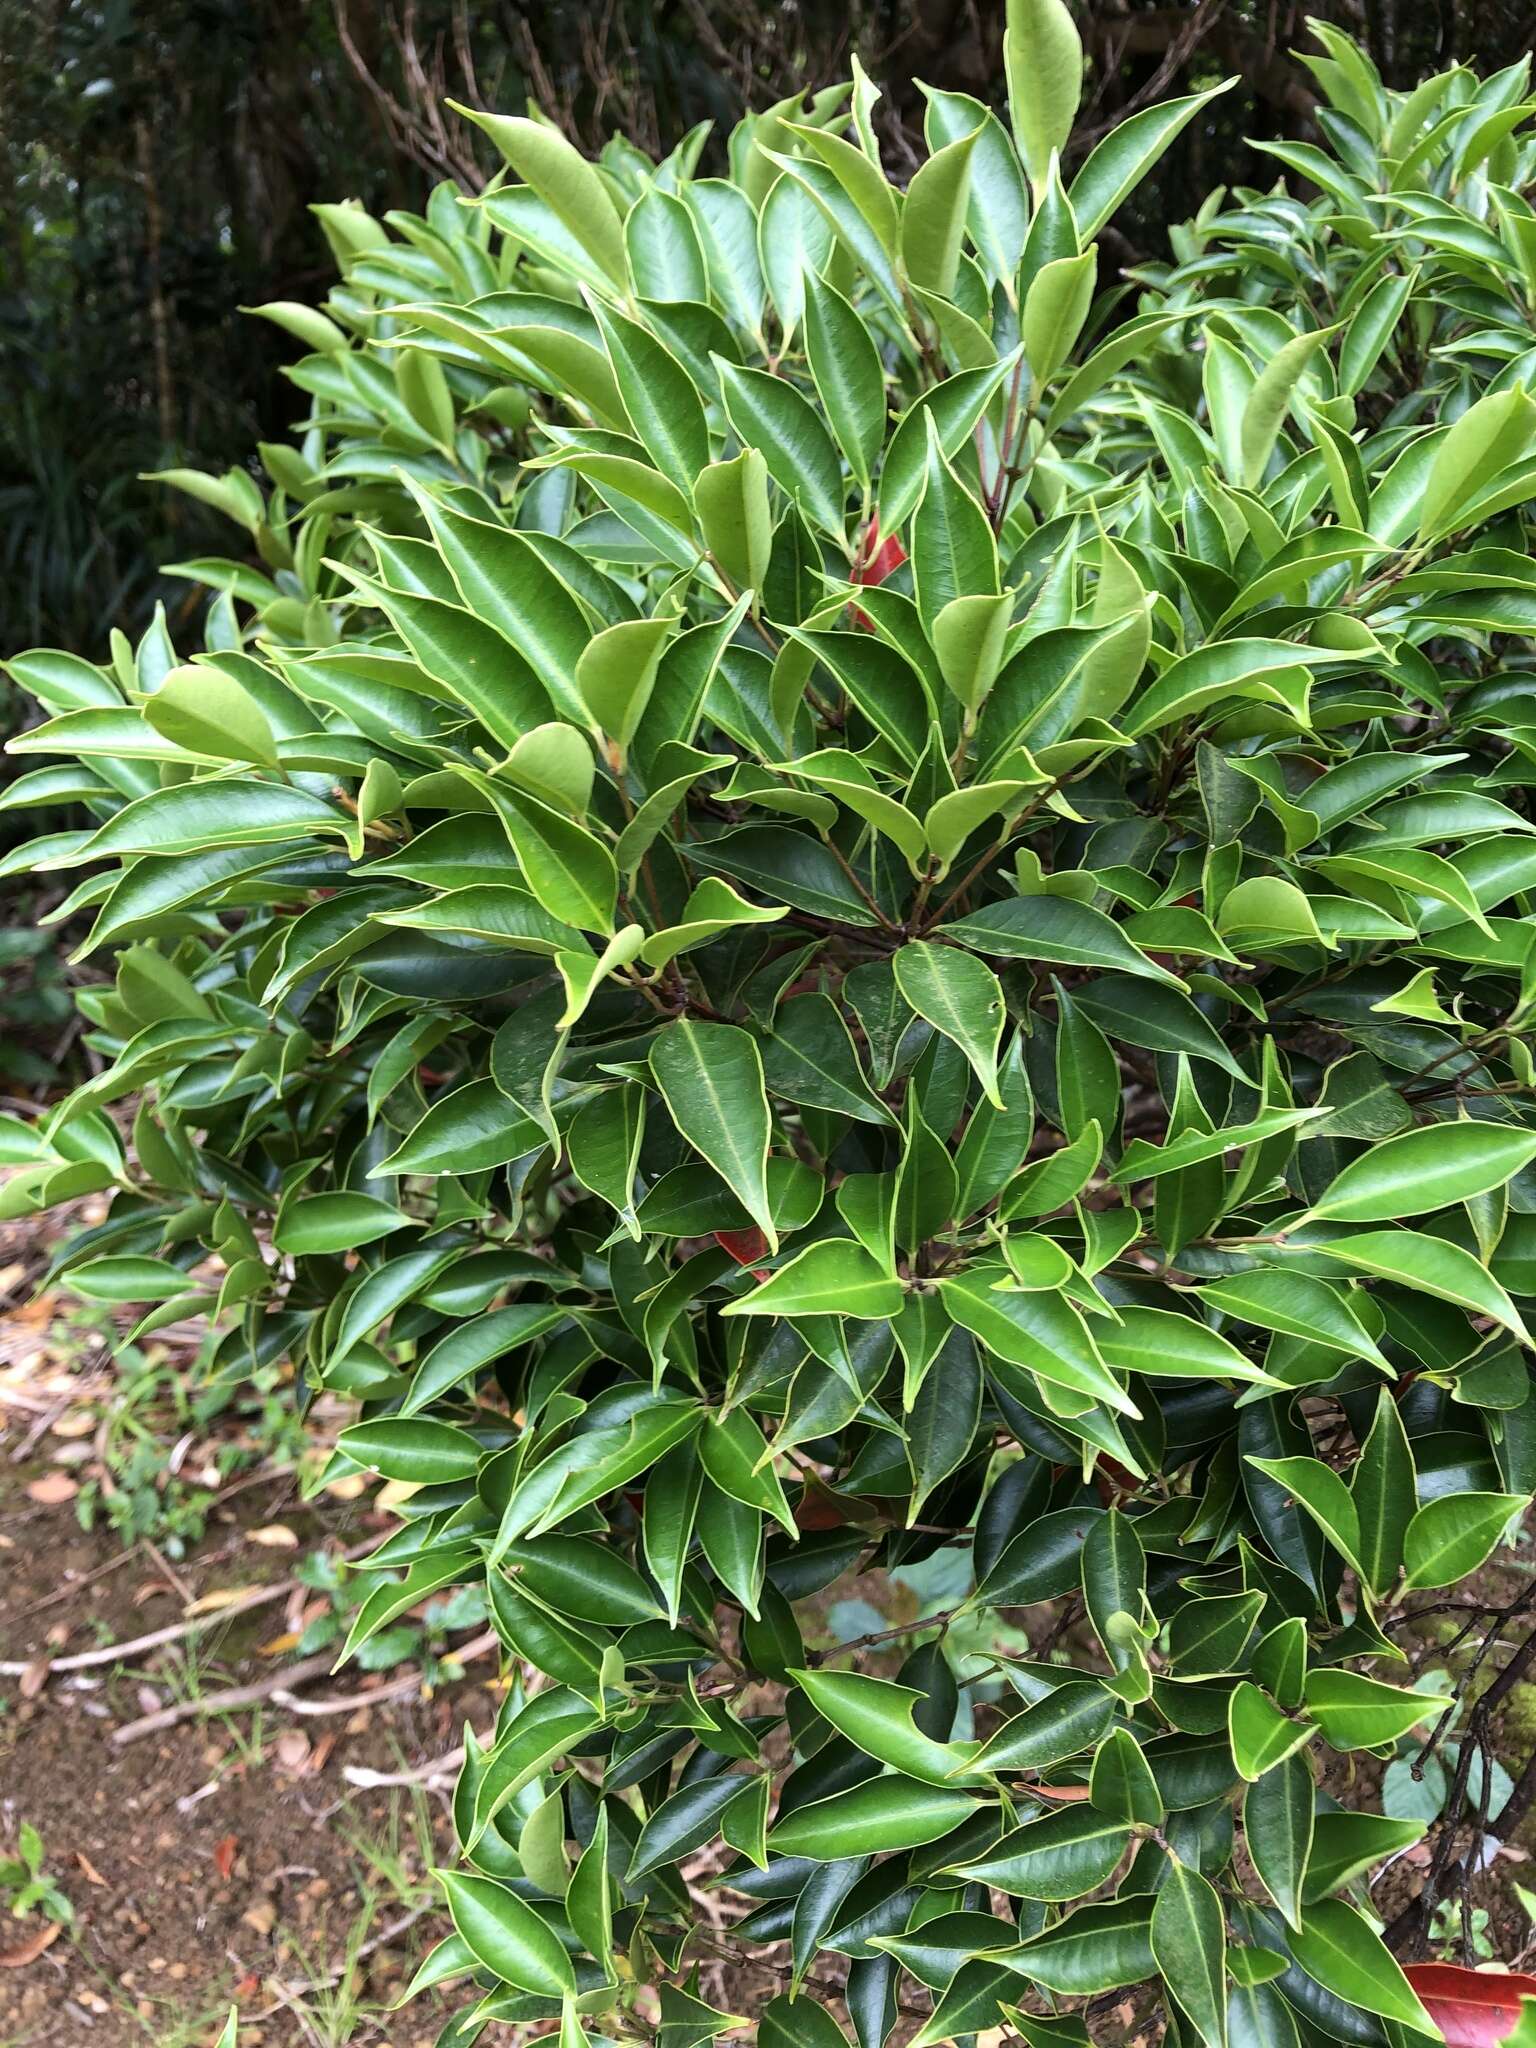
89,1868
273,1536
348,1487
35,1677
224,1852
221,1596
18,1958
78,1422
262,1917
279,1646
52,1490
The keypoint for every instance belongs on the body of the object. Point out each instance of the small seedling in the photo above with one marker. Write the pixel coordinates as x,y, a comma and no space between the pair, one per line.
26,1886
1447,1934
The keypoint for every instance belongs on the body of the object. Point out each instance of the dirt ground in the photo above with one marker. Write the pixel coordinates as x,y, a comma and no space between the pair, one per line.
233,1855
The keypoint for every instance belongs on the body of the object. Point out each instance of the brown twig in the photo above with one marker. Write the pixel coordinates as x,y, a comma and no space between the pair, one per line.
1412,1922
225,1702
348,1703
278,1686
118,1653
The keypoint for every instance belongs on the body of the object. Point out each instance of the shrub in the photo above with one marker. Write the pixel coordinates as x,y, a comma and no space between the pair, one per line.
783,996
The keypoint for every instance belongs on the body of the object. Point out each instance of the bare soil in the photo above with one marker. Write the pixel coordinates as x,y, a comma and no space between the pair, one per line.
229,1857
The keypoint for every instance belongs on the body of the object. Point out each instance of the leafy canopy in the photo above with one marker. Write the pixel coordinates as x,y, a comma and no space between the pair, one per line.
833,910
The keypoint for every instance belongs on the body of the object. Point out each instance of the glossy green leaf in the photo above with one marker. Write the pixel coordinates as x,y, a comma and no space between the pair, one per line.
1426,1169
878,1716
1448,1538
507,1935
711,1078
879,1818
1278,1827
1261,1736
835,1277
1063,1856
1340,1951
1363,1713
1189,1948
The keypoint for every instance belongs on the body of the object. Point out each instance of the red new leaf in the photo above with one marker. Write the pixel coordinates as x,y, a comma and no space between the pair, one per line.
875,561
1472,2008
746,1247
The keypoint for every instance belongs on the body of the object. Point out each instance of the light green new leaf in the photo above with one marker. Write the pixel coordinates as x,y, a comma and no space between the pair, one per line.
617,673
1116,165
1055,307
1043,61
731,499
712,908
969,635
554,763
1490,433
933,217
961,997
208,714
569,186
603,1144
1265,407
